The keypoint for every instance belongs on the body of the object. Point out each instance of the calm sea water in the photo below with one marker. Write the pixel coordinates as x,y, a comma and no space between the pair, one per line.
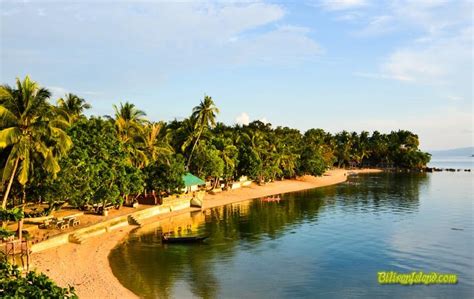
457,162
323,243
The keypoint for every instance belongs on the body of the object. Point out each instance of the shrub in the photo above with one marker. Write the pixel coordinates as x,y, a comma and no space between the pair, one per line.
32,285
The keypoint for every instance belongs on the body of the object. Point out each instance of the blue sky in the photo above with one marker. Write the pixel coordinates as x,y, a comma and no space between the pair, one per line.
343,64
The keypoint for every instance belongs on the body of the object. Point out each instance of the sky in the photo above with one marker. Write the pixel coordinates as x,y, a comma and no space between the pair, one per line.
338,65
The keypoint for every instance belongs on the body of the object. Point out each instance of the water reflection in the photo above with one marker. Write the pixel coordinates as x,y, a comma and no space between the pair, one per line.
306,244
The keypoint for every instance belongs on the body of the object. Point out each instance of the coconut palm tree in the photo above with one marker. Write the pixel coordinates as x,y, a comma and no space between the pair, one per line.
228,153
29,129
72,106
155,145
130,123
203,117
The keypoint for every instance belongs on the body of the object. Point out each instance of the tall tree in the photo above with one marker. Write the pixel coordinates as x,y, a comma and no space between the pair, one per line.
29,130
203,117
128,120
155,143
228,153
129,123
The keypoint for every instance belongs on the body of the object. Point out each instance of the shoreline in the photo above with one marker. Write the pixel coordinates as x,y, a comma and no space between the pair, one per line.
86,266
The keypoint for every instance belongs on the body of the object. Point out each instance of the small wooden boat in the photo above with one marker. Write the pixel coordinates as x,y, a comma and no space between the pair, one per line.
182,239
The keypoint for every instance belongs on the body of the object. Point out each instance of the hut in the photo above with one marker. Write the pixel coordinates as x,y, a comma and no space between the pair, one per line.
192,182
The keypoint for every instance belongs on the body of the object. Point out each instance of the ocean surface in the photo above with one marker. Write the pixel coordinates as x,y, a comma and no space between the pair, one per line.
456,162
322,243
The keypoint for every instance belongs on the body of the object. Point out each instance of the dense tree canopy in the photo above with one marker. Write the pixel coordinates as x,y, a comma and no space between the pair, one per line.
96,170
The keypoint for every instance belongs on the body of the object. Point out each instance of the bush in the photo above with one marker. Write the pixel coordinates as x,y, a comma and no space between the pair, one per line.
32,285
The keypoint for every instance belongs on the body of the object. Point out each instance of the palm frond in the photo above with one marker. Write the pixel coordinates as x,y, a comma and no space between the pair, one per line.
9,136
7,117
24,170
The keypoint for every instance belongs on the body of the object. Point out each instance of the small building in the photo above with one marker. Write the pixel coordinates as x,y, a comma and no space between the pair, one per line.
192,182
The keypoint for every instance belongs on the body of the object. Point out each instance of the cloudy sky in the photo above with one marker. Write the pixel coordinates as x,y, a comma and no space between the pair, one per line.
342,64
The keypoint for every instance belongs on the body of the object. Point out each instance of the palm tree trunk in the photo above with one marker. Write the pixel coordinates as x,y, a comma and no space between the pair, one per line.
10,183
192,150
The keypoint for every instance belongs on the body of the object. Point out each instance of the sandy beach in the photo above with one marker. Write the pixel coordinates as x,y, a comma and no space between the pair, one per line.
86,266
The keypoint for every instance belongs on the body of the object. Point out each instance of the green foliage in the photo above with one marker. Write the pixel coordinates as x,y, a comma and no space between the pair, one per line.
250,163
165,177
32,285
5,233
413,159
207,162
312,161
228,152
14,214
96,169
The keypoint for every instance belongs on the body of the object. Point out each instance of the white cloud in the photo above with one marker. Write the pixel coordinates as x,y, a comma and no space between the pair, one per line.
437,61
342,4
273,47
350,16
378,25
168,34
442,51
41,12
57,92
454,98
433,16
242,119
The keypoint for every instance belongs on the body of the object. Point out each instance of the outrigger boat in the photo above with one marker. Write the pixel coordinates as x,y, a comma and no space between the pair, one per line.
182,239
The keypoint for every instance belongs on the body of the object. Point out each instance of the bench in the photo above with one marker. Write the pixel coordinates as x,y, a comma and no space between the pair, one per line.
72,221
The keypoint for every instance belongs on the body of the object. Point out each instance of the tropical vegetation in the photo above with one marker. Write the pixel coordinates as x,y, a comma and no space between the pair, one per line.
54,153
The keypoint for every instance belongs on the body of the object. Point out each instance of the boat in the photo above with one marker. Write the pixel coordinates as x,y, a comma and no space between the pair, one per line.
197,199
183,239
271,199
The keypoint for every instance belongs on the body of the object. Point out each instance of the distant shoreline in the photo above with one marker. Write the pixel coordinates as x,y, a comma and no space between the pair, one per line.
87,268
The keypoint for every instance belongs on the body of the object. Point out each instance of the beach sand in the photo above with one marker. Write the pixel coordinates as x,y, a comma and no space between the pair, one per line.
86,266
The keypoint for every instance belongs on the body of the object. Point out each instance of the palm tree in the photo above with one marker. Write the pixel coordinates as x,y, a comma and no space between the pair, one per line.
203,117
28,128
343,148
72,106
154,145
129,123
228,153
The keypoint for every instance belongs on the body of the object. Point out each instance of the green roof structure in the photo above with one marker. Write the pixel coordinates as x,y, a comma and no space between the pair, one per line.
192,180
